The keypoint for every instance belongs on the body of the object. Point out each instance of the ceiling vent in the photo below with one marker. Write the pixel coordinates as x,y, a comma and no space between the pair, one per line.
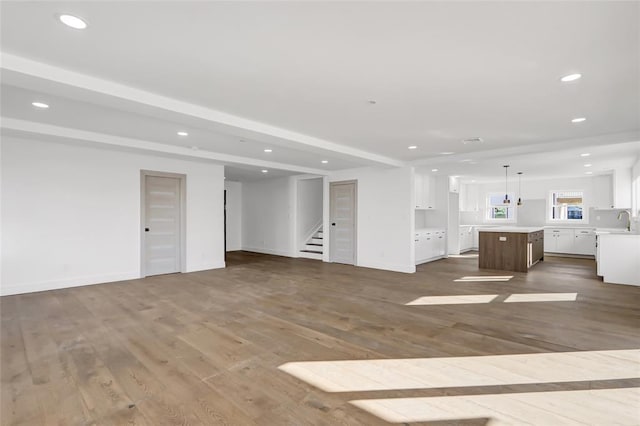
472,140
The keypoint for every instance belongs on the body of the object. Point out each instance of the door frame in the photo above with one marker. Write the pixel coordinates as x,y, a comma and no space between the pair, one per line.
183,217
355,218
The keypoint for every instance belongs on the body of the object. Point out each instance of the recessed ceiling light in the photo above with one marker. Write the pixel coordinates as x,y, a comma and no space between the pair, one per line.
434,170
412,147
587,165
73,22
324,161
183,134
588,173
570,77
586,154
268,150
578,120
265,171
473,181
447,153
40,105
472,140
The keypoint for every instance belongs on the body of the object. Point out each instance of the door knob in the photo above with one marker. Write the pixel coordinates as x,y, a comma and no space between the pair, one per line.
333,224
146,229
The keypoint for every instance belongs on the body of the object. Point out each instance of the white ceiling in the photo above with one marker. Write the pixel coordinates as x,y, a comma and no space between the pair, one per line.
297,77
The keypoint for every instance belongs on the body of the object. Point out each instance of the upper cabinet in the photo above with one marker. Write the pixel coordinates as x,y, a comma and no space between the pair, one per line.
425,191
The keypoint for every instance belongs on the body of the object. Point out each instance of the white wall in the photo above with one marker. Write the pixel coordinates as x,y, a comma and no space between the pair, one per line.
622,188
309,207
71,214
266,216
234,215
598,193
385,217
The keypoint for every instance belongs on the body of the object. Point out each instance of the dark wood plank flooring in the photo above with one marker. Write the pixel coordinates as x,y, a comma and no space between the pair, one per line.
204,347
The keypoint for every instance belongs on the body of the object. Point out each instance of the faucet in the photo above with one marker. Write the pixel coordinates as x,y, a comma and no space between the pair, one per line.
628,218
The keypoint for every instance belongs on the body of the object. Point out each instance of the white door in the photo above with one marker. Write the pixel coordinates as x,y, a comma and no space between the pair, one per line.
343,222
162,225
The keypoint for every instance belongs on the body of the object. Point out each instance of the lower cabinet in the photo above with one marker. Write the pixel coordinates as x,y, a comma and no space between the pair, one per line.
430,245
570,241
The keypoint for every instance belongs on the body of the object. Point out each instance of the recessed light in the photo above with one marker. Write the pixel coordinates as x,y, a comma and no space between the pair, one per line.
447,153
434,170
472,140
268,150
473,181
588,173
40,105
324,161
587,165
412,147
570,77
578,120
265,171
73,22
183,134
586,154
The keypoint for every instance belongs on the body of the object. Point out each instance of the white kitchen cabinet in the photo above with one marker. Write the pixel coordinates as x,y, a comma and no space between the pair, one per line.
430,245
425,191
584,242
570,241
466,238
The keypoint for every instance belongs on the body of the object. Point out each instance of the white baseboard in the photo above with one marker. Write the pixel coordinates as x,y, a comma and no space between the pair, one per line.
267,251
408,269
206,266
32,287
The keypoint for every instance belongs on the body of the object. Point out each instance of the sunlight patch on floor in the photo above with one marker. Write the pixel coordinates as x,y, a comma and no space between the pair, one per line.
484,278
588,407
492,370
453,300
542,297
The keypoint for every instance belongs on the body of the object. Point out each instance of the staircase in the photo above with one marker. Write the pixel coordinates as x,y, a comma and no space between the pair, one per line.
313,247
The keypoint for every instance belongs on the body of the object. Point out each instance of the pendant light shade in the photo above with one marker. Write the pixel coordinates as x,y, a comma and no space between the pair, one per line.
519,188
506,190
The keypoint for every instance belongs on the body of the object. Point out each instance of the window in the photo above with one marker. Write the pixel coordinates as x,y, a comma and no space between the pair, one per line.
497,210
566,205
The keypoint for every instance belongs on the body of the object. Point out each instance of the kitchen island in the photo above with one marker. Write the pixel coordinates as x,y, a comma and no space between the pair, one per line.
510,248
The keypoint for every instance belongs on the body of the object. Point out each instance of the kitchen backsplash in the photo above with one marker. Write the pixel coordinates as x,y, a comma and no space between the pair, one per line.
533,213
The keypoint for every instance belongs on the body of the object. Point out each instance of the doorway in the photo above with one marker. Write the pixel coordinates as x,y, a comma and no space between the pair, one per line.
342,218
163,223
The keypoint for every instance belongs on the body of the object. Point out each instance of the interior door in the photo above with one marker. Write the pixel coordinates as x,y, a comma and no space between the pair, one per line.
342,236
162,225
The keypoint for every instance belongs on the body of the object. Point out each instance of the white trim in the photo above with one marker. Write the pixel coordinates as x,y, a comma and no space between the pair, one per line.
489,206
585,209
395,267
32,287
284,253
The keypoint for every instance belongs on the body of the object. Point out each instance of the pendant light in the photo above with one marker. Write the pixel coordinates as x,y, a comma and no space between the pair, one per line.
519,188
506,190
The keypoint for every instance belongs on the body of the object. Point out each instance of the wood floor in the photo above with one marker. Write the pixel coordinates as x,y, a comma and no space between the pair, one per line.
204,348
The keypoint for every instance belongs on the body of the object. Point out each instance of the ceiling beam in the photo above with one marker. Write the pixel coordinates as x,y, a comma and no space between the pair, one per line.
59,75
14,126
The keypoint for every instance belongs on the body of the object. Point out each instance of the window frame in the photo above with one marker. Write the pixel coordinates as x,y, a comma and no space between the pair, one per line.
585,209
490,206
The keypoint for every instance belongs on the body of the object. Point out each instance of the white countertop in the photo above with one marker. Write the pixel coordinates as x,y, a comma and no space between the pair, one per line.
513,229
